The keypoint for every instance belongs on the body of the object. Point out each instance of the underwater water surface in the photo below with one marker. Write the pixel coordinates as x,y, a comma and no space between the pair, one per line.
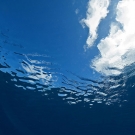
67,67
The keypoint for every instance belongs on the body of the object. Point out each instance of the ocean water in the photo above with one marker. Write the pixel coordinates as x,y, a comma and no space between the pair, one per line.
38,98
47,86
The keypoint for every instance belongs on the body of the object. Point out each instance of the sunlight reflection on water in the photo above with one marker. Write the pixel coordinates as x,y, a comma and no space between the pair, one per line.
34,72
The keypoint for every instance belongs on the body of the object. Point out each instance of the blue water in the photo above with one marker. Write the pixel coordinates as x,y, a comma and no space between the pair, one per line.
47,86
38,97
26,112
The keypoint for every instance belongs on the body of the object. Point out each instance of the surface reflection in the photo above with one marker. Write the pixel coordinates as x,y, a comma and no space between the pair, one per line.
34,72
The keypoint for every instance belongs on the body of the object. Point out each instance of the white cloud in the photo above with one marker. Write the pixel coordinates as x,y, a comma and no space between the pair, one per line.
97,10
77,11
117,50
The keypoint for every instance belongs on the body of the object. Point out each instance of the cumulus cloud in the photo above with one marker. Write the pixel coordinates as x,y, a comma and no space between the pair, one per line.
97,10
117,50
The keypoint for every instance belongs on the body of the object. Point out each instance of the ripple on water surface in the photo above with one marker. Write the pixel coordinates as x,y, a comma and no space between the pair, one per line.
37,72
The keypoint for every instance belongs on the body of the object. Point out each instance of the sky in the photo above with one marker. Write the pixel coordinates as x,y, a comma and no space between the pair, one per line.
86,37
116,50
51,28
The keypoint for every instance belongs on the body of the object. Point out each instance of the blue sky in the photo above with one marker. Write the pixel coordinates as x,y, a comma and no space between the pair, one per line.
51,28
56,29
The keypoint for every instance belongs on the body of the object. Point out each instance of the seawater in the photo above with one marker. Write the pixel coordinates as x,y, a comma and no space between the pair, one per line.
38,98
